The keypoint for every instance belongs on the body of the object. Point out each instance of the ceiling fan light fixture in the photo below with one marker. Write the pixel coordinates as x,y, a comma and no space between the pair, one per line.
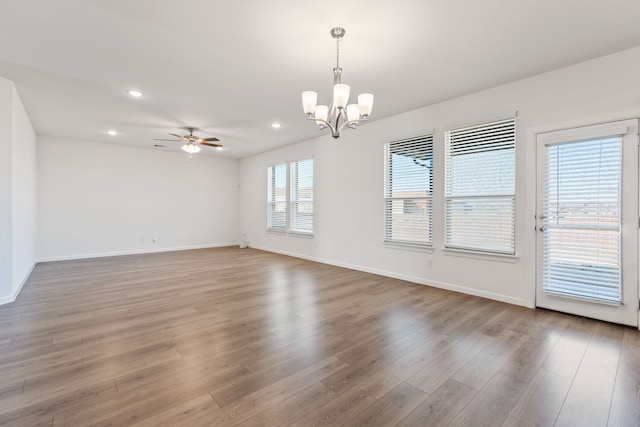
192,144
191,148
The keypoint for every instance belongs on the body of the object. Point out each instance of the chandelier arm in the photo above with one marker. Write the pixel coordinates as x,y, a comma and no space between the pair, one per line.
338,115
351,124
338,128
325,123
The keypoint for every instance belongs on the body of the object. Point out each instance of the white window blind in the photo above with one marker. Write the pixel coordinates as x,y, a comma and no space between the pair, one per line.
480,187
277,197
408,190
301,199
582,219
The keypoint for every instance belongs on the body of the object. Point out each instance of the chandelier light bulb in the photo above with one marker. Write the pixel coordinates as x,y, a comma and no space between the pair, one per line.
309,101
340,95
353,112
365,103
322,112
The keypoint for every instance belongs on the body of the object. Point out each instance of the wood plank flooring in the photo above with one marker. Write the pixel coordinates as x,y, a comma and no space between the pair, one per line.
232,336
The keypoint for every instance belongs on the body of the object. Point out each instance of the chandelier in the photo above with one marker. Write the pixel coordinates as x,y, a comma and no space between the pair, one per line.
340,113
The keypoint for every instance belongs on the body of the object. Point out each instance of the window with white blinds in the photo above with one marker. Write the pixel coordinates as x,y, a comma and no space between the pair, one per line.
277,197
301,196
582,219
408,190
480,187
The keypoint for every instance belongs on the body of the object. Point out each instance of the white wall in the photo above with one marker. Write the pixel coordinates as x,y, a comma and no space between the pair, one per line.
24,208
99,199
17,193
6,148
349,178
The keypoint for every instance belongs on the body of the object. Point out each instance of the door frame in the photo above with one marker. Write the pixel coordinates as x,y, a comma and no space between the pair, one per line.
573,132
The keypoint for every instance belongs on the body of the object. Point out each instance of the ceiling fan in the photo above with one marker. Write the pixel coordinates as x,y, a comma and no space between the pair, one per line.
192,142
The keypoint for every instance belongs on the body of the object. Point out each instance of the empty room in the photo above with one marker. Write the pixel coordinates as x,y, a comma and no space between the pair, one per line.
286,213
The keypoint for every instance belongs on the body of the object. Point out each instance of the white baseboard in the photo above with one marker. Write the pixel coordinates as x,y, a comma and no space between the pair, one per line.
12,298
7,299
442,285
134,252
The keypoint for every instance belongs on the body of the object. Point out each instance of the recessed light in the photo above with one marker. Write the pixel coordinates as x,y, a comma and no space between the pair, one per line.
134,93
112,132
275,125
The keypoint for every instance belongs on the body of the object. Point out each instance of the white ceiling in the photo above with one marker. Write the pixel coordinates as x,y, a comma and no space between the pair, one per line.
231,68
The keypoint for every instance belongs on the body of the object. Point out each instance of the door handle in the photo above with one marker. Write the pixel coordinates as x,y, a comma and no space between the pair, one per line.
542,228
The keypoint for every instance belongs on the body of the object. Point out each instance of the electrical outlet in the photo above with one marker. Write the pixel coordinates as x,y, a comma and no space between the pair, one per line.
141,239
429,262
154,239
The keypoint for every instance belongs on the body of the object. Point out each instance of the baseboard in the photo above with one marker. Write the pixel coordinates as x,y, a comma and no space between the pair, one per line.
135,252
7,299
12,298
441,285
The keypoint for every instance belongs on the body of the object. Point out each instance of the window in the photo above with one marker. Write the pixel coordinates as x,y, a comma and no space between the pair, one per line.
277,198
408,190
582,219
301,196
480,187
297,197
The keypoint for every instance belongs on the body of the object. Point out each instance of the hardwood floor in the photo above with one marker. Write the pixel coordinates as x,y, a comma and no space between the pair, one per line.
242,337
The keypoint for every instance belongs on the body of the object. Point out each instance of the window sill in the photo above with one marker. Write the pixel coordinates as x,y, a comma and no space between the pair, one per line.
274,231
488,256
409,247
301,234
290,233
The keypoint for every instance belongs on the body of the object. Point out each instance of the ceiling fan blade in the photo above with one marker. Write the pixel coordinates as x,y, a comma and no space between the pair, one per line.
177,136
209,144
209,139
172,140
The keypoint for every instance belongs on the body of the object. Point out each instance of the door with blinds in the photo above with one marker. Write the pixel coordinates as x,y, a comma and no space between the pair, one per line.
587,221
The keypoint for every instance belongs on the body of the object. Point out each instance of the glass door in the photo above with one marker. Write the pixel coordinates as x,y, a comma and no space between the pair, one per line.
587,221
